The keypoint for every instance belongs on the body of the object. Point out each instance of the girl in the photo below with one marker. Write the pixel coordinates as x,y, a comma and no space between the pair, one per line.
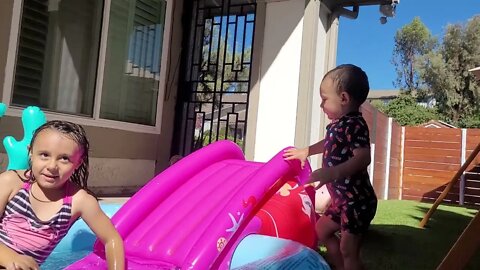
38,205
346,156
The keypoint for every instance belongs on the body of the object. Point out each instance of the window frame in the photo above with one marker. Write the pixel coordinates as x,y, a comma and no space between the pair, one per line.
95,119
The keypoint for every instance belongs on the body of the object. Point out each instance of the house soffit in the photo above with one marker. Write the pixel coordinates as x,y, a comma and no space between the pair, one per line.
332,4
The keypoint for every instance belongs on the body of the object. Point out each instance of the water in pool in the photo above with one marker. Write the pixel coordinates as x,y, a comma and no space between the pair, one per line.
77,243
61,260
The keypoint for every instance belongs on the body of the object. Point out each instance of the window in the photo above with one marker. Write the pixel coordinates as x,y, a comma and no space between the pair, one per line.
61,67
57,55
132,65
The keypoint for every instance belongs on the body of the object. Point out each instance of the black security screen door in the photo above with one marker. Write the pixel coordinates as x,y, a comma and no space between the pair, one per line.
215,82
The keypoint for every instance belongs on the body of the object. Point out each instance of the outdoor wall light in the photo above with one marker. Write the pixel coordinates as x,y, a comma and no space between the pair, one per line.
383,20
388,10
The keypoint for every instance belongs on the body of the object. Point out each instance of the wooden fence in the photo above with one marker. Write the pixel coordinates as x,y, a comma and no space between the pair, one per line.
431,158
416,163
386,144
472,175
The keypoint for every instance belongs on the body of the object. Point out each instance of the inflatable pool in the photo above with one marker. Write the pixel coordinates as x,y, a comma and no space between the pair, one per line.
265,252
253,252
195,214
78,242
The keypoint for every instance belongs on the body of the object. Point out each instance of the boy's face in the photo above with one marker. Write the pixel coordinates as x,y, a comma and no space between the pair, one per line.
333,103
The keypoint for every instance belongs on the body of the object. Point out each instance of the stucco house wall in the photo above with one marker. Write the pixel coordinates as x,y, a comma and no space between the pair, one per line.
290,57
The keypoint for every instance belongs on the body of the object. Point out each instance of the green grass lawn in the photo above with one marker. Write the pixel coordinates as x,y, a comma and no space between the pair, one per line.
396,242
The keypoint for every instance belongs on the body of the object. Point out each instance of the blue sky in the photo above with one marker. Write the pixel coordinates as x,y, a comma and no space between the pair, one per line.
367,43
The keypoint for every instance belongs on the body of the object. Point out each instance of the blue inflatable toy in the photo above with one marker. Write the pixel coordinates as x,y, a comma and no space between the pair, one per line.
17,151
3,109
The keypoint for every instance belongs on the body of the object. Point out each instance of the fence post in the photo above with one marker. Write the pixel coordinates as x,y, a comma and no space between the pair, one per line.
402,161
461,194
387,161
372,162
373,141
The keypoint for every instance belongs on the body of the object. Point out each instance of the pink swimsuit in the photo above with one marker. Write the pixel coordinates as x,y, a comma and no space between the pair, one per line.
24,232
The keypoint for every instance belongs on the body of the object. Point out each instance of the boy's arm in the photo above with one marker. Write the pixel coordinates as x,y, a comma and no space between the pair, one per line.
360,161
317,148
303,153
103,228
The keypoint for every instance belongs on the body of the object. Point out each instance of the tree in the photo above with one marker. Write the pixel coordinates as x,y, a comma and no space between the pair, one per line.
406,111
411,41
221,64
445,71
471,121
224,59
380,105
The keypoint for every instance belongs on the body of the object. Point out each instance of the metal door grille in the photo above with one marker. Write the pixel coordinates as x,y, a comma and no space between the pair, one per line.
213,98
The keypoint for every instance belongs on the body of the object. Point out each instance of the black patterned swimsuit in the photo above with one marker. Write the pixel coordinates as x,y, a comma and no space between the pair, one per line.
22,231
354,202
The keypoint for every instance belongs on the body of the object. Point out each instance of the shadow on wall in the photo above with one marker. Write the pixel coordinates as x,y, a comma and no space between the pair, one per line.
451,198
471,190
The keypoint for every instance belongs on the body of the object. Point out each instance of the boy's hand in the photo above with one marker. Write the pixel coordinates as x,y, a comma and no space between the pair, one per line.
323,176
294,153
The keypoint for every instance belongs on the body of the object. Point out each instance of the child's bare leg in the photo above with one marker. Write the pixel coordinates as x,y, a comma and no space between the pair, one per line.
326,229
350,249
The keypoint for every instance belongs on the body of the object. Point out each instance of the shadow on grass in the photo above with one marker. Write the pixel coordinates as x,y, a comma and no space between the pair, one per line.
406,246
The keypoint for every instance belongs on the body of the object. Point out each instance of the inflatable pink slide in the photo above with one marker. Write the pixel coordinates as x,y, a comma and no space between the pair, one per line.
194,214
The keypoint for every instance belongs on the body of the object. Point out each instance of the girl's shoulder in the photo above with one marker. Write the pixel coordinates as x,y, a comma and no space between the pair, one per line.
78,193
13,178
82,201
11,182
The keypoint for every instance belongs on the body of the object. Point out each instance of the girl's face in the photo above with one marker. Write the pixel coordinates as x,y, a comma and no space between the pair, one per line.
54,158
333,103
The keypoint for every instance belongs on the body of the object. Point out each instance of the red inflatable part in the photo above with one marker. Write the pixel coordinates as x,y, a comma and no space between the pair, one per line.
290,214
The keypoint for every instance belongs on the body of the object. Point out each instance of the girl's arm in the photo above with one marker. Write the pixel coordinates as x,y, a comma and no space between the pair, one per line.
10,184
90,212
10,259
303,153
360,161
